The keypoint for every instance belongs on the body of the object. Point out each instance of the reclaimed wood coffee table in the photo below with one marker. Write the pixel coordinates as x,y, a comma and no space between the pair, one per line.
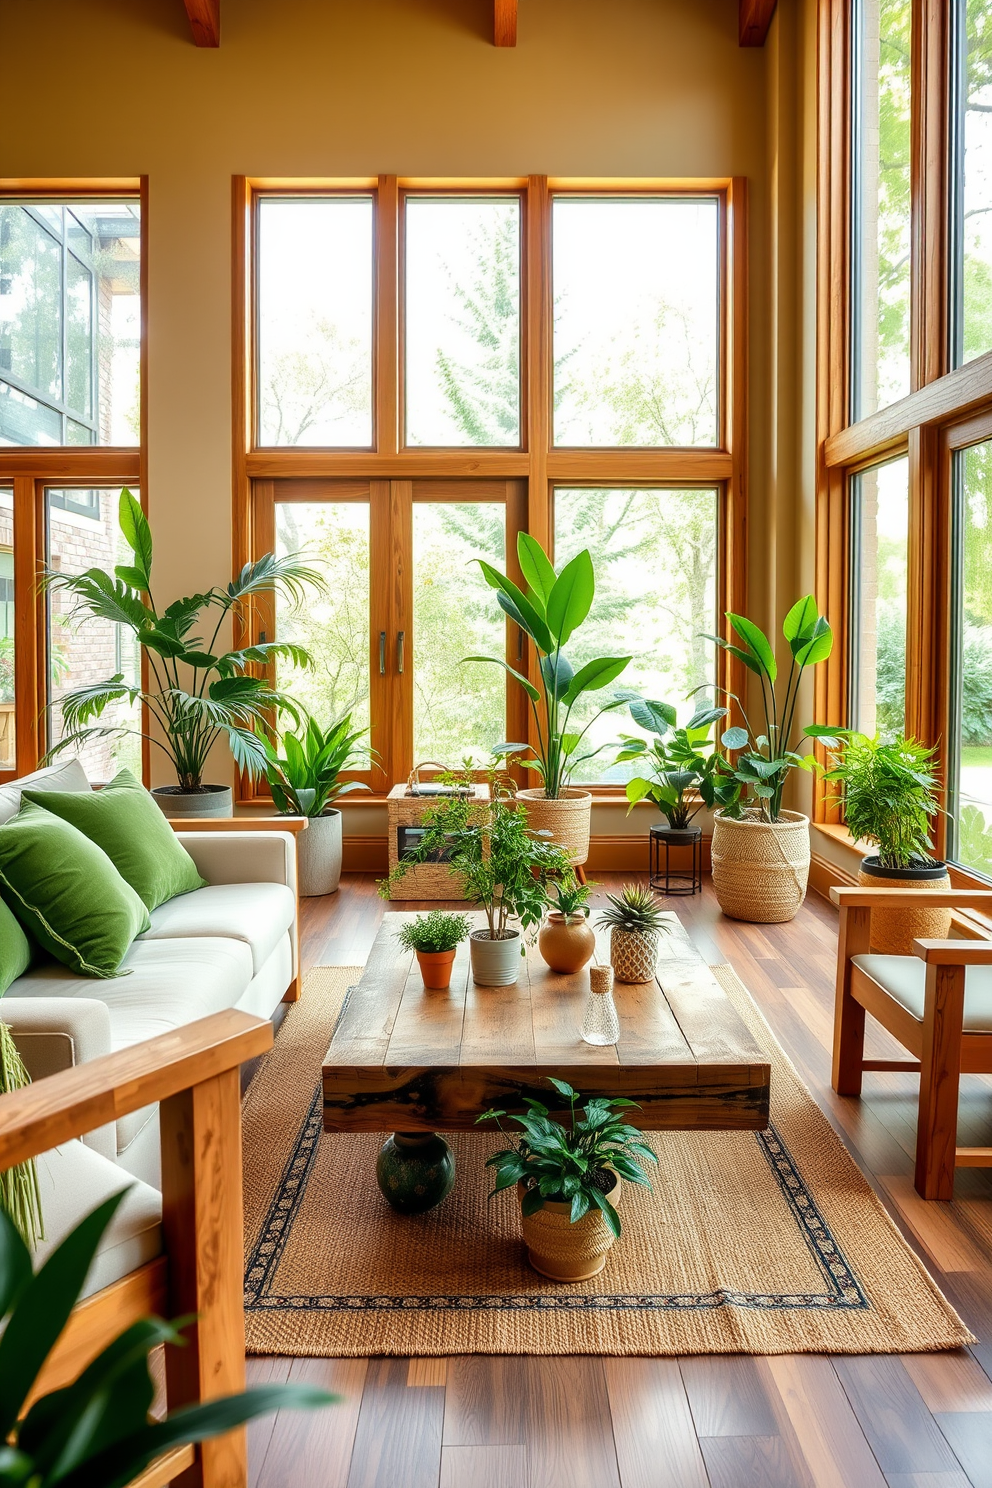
415,1062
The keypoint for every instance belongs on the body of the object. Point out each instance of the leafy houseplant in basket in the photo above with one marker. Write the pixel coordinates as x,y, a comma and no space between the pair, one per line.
565,941
568,1179
890,797
636,922
504,867
760,852
549,612
198,696
305,780
434,938
98,1431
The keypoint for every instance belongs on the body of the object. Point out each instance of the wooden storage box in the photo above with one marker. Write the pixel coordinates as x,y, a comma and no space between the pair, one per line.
425,880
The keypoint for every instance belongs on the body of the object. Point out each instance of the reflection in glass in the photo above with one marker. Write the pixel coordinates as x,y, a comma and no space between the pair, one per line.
654,555
334,627
462,321
82,532
8,732
970,827
457,710
636,293
879,537
881,139
315,321
973,181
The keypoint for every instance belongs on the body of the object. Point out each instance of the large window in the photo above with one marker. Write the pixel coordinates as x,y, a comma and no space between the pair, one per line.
878,567
972,174
970,762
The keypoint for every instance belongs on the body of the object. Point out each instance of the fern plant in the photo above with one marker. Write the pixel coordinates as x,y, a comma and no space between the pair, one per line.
890,796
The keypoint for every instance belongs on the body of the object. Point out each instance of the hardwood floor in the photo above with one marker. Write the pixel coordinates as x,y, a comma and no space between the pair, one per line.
799,1421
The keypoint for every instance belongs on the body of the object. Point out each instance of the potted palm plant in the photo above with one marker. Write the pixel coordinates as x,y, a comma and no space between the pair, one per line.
566,941
890,798
434,939
550,612
504,868
198,696
568,1179
636,922
305,780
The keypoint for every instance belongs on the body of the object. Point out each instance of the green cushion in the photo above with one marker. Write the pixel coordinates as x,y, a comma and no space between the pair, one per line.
67,893
125,821
15,948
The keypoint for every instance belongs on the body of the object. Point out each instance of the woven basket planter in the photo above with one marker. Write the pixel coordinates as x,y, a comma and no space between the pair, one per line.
424,880
567,819
564,1251
634,954
760,869
894,930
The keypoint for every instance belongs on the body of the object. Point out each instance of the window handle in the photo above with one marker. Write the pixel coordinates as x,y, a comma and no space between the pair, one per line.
382,653
399,650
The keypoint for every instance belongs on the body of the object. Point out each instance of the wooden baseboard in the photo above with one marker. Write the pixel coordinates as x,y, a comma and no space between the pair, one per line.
824,875
365,855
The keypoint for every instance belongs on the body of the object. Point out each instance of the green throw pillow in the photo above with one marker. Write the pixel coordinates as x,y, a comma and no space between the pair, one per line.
15,948
125,821
67,893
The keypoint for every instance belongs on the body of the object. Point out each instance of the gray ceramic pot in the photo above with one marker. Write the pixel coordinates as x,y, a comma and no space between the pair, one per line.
209,800
318,855
495,963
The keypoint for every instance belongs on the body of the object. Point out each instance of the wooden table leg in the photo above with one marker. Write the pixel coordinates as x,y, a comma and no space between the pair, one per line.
415,1171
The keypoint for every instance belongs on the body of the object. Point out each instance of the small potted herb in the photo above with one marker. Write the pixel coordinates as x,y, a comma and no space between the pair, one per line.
566,940
434,938
637,922
570,1170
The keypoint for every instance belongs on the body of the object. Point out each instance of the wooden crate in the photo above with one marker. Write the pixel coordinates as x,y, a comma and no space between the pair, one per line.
424,880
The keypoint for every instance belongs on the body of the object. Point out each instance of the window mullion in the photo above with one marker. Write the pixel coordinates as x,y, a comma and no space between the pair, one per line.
387,317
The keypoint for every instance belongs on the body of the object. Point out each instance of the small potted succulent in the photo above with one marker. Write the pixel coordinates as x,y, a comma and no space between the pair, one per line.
566,940
568,1178
637,922
434,938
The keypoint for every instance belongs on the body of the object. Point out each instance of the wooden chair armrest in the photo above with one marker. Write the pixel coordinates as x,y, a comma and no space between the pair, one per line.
859,898
239,824
94,1094
954,952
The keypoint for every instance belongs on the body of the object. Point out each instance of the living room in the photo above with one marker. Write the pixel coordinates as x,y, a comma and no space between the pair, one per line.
495,686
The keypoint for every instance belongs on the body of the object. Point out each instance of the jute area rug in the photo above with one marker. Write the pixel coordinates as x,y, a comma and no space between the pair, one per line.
760,1243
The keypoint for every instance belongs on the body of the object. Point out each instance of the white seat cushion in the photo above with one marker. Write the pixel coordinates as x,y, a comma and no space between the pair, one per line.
259,914
73,1180
904,978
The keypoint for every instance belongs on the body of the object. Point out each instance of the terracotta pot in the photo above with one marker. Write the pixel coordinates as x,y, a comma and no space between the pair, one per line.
435,968
894,930
566,942
495,963
760,869
564,1251
566,817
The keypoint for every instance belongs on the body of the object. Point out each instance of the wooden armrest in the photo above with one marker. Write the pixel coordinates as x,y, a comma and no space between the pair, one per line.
94,1094
239,824
954,952
912,898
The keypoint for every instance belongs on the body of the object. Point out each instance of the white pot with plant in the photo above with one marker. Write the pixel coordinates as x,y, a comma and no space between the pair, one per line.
197,698
434,938
636,922
890,799
568,1175
551,610
305,780
760,851
504,869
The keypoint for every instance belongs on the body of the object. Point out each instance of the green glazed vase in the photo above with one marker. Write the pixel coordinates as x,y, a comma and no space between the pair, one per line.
415,1171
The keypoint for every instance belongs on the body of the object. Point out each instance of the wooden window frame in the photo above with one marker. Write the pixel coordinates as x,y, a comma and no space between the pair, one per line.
30,469
538,463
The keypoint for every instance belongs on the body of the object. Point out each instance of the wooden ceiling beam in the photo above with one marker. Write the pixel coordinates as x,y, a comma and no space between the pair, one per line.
755,19
204,20
505,23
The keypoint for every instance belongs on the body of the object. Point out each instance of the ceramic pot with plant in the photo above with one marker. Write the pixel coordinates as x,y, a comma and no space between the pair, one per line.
434,938
568,1175
305,780
551,609
636,921
760,851
197,696
566,940
890,799
503,868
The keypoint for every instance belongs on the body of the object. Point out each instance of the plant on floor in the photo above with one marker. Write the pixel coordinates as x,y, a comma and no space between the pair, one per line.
434,932
305,779
98,1430
636,922
198,696
550,612
680,763
890,795
578,1162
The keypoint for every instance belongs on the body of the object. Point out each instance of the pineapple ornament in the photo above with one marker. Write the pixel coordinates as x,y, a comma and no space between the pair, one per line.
637,922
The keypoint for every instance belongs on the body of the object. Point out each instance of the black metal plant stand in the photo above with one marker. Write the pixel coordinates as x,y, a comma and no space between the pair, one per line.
665,878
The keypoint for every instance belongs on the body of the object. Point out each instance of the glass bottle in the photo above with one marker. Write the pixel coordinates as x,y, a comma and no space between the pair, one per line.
600,1025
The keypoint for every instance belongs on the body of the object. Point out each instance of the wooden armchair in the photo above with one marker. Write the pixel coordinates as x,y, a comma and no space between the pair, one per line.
936,1003
194,1073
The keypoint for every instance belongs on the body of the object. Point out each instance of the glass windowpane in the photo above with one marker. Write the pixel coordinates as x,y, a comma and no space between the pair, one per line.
636,332
972,327
30,302
315,322
8,732
879,528
654,553
970,763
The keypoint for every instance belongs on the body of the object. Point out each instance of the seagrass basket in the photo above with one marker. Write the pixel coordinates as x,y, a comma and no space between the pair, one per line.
760,869
634,954
405,810
567,818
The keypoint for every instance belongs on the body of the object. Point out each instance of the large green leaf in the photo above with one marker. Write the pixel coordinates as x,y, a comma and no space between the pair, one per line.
595,674
557,671
85,703
15,1264
658,718
756,644
799,622
818,647
571,598
137,535
290,574
525,683
536,566
162,642
516,604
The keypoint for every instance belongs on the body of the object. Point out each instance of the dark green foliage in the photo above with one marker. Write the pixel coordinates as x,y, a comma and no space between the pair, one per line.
436,931
680,762
890,796
571,1163
305,778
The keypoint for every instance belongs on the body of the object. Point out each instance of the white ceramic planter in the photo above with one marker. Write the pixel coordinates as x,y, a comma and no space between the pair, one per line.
318,855
209,800
495,963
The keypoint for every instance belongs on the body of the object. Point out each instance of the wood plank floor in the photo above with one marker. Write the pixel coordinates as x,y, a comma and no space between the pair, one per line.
814,1421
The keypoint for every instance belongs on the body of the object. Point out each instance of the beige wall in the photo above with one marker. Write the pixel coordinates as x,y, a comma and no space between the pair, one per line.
357,87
